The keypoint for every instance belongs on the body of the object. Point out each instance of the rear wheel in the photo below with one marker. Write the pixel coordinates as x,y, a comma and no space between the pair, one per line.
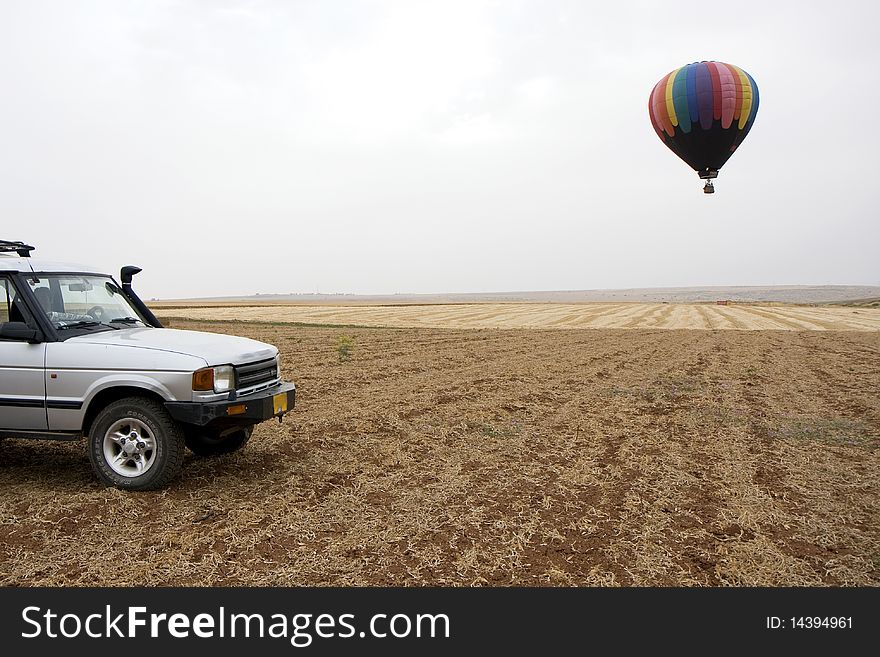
214,443
135,445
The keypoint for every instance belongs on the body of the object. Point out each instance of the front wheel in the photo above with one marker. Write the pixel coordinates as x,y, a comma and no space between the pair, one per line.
135,445
212,443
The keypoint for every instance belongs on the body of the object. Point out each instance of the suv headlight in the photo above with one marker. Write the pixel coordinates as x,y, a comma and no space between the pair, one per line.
224,378
218,379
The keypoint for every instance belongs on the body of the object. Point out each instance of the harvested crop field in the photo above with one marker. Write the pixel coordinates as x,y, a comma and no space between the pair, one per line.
488,457
550,315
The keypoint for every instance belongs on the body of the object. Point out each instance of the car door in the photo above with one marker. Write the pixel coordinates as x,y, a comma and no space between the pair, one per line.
22,369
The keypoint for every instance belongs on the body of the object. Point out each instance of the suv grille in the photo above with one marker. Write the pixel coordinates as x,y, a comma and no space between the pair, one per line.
253,374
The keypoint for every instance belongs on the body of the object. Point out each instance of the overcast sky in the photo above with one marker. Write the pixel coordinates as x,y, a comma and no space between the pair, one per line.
378,147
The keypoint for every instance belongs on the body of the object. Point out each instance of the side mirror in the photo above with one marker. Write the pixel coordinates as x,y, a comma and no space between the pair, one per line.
18,331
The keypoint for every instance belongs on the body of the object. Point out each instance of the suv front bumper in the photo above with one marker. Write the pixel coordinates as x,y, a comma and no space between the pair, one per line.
243,411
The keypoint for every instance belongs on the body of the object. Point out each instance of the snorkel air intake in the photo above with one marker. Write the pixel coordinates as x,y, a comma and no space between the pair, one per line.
126,274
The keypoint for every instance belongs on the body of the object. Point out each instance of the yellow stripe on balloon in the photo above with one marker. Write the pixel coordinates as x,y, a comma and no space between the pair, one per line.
670,106
747,96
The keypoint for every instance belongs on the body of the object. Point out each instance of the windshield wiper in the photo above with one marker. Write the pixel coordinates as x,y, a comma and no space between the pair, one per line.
78,324
125,320
89,324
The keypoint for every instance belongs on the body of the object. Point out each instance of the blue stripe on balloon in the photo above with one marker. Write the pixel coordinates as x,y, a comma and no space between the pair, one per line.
679,99
754,109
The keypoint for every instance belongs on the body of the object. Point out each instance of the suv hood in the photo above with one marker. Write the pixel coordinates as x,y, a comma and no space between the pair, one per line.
215,348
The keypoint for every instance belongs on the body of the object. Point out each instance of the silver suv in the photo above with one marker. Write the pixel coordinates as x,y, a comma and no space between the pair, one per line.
82,355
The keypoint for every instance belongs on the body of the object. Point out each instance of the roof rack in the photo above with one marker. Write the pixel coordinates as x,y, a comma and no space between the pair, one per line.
22,249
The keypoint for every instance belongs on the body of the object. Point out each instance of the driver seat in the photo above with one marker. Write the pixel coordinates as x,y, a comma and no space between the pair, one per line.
44,296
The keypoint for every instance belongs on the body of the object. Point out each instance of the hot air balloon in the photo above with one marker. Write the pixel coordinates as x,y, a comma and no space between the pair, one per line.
702,112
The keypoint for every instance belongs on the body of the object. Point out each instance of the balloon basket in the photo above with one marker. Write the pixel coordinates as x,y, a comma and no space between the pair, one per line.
708,175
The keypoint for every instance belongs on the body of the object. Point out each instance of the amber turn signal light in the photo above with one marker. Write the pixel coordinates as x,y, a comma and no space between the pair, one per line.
204,379
238,409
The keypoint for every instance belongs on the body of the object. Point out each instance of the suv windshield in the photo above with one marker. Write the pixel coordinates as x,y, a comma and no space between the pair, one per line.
79,301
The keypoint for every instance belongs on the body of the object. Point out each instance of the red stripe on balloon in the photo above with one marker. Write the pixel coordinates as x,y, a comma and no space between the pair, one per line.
661,111
654,123
716,90
728,94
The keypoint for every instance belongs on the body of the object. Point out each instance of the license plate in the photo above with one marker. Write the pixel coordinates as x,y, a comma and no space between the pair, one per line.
279,402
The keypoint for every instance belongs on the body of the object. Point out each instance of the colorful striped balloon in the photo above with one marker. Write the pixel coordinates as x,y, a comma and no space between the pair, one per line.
703,111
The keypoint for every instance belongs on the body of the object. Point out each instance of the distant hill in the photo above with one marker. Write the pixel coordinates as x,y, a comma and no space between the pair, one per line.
799,294
863,303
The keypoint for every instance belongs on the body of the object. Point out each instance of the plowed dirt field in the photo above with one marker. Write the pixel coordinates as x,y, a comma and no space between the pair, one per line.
497,457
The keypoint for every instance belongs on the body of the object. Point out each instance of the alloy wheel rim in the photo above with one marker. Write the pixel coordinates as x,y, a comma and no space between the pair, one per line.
129,447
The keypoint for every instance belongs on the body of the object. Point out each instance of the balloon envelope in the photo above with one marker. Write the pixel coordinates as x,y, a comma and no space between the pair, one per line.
703,111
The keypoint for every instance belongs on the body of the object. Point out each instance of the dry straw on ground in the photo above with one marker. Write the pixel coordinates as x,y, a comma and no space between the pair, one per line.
488,457
553,315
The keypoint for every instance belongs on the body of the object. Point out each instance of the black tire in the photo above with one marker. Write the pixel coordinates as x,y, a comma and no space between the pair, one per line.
206,443
159,432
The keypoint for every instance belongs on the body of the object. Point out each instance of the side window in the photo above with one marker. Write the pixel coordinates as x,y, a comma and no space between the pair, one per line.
5,301
11,307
